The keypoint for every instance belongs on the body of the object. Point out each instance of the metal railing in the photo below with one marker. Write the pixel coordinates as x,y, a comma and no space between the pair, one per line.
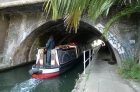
90,56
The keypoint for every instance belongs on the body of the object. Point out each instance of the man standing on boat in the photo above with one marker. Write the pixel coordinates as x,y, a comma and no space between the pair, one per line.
50,45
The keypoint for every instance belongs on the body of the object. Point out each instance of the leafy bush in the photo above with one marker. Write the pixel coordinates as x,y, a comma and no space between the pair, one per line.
130,69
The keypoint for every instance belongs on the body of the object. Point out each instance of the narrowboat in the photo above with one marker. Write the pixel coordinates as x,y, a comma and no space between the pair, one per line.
63,58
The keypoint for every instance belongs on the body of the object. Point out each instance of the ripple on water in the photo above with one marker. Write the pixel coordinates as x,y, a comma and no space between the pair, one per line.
26,86
49,85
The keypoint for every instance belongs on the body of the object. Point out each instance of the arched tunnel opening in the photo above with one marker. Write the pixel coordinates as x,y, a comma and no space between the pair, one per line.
85,35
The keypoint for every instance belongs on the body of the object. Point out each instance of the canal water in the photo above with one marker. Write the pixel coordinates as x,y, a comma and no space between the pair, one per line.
19,80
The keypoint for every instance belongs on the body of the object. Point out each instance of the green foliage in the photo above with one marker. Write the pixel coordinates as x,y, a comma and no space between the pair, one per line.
72,10
11,35
87,77
130,69
98,7
132,8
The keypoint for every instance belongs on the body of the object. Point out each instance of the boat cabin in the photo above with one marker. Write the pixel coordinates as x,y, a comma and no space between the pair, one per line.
59,55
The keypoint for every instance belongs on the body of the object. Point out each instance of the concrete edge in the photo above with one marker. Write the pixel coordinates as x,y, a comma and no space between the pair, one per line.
19,3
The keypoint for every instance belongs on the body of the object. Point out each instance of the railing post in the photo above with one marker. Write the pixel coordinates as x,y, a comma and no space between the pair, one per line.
84,62
92,54
89,56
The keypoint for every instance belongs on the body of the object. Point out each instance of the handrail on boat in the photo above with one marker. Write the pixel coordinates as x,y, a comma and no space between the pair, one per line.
91,51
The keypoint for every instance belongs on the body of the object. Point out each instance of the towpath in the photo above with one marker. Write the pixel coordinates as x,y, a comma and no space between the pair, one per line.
102,77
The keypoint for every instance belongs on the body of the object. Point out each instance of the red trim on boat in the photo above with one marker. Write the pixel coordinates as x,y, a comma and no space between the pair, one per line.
46,75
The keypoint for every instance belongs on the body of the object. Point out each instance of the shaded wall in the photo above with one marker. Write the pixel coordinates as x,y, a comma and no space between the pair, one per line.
4,24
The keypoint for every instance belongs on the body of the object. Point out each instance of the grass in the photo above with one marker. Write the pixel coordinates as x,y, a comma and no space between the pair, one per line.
130,69
87,77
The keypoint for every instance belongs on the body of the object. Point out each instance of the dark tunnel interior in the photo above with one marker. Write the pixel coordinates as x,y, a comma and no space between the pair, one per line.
85,34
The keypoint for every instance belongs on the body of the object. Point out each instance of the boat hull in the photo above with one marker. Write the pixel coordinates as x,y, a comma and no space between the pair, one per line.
45,75
45,71
50,72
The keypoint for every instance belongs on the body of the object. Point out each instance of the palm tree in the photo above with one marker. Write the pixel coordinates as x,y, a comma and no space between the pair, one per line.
128,10
72,10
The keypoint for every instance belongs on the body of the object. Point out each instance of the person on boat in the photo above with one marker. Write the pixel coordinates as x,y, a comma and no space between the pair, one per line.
50,45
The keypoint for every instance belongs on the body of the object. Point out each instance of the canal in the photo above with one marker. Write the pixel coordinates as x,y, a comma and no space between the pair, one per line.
19,80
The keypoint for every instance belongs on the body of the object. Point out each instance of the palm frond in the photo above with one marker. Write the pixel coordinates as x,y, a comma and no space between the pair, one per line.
97,7
127,11
72,10
73,17
120,3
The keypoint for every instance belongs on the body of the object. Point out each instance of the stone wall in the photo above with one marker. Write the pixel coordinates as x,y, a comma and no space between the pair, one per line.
20,27
20,34
4,23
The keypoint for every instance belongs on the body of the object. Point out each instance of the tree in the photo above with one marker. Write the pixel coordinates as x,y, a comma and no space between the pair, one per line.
72,10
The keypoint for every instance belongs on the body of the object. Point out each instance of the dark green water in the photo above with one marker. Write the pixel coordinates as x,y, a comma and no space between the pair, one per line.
19,80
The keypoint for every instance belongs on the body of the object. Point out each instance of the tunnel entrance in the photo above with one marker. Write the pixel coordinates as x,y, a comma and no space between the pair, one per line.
107,55
105,51
85,35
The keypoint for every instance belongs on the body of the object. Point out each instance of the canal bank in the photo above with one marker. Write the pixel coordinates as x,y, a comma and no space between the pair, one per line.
102,77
